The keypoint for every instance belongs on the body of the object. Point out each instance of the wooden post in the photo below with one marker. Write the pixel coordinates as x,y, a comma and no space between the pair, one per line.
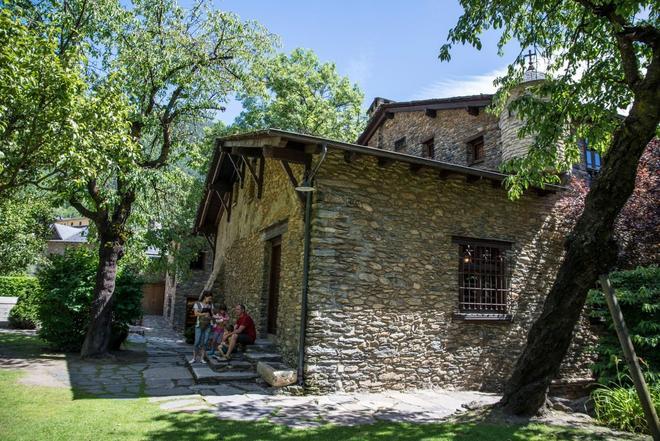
631,357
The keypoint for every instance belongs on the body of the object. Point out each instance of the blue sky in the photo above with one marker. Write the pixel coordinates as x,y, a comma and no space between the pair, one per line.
389,48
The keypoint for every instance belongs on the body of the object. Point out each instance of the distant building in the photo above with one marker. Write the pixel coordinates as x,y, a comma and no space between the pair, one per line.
64,236
77,222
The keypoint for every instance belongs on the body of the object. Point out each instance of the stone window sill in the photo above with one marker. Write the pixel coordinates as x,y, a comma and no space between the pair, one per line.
482,317
480,161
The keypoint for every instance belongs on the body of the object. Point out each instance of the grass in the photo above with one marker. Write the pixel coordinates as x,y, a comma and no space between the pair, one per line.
42,413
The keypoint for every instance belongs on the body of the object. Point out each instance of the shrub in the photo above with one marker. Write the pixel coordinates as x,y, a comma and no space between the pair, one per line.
638,292
67,290
618,406
23,315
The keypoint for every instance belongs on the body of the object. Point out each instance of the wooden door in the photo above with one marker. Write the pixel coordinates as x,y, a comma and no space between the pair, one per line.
274,284
153,297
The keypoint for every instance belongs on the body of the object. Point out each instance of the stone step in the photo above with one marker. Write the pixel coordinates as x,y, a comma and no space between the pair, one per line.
222,364
256,357
261,348
276,374
204,374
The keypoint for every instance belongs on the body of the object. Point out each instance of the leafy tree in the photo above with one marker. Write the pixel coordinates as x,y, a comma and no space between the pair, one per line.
603,55
24,229
174,67
45,108
36,91
304,96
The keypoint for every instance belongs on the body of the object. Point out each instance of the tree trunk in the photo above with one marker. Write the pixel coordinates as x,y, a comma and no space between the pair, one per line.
100,325
590,251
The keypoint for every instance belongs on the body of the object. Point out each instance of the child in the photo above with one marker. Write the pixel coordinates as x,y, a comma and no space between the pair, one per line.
220,318
222,347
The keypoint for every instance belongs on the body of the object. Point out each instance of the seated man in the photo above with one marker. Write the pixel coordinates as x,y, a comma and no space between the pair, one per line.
244,332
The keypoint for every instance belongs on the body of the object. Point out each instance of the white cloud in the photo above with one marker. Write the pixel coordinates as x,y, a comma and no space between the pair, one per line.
459,86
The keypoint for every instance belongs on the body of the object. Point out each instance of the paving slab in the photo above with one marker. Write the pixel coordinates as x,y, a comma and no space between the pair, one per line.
166,391
173,372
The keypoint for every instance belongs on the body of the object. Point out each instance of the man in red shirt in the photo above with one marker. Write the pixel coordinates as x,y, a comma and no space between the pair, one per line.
244,333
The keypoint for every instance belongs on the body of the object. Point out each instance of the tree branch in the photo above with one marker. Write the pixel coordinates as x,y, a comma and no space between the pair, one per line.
94,215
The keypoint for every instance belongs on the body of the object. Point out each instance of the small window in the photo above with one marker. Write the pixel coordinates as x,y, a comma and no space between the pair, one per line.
198,263
428,149
592,159
400,144
476,150
483,276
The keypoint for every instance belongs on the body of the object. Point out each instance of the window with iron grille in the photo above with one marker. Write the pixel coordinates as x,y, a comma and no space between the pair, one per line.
428,148
483,276
400,144
476,150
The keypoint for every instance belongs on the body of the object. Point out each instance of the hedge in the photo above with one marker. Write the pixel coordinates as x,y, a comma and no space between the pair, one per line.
24,314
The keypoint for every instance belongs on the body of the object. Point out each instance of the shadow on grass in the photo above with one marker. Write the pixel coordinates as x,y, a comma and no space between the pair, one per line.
208,427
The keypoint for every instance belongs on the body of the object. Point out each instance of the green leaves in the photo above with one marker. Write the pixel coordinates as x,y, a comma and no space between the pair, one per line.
24,228
588,82
303,95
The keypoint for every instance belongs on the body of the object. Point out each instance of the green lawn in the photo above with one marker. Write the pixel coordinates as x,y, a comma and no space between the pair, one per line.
42,413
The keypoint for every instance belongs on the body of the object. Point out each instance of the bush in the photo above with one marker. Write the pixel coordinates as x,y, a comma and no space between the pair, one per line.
638,292
23,315
618,406
67,291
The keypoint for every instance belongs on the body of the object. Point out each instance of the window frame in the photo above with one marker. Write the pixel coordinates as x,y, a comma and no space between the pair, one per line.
483,302
428,148
593,162
473,144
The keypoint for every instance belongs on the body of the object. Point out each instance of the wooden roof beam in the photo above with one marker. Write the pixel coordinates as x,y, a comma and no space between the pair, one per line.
293,180
350,156
250,152
288,155
255,142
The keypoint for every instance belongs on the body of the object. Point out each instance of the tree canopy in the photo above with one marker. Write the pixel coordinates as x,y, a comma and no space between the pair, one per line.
149,74
303,95
589,81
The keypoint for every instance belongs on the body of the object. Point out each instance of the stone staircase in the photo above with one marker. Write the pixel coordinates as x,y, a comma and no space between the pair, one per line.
241,368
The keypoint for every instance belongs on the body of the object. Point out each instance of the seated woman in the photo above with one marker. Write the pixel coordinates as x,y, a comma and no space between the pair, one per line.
244,332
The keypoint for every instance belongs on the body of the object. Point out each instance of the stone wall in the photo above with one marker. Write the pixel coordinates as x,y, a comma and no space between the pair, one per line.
180,288
384,284
241,266
451,130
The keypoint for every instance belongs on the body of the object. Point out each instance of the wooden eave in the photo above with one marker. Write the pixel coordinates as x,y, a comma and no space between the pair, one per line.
286,147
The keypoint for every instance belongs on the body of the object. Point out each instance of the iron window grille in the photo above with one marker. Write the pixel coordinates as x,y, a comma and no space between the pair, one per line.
484,280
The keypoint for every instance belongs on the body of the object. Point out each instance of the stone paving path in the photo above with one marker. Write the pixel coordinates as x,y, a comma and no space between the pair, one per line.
156,367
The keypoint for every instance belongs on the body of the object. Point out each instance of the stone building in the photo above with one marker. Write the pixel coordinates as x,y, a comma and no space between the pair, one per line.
182,291
421,272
